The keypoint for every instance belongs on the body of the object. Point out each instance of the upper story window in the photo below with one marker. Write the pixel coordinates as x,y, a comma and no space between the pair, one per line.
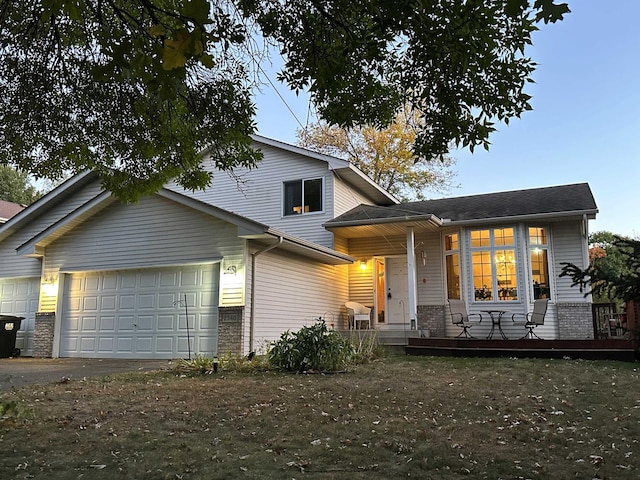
452,263
303,196
494,266
539,262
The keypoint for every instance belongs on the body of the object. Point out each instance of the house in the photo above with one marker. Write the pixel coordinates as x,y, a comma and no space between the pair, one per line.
271,249
8,210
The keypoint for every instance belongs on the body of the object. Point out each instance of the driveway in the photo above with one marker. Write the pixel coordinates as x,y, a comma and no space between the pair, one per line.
17,372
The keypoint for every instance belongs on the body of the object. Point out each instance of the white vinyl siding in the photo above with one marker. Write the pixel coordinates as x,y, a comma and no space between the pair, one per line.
12,265
153,232
347,197
568,246
258,193
19,297
292,292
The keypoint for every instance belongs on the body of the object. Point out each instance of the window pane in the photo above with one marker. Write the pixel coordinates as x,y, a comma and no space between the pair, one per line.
537,236
503,236
480,238
293,198
313,195
453,276
482,276
451,242
506,274
540,273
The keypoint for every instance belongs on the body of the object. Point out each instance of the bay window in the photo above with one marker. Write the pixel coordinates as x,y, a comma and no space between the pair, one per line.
539,262
493,263
452,262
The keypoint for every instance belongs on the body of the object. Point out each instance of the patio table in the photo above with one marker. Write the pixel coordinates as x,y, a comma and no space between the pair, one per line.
496,318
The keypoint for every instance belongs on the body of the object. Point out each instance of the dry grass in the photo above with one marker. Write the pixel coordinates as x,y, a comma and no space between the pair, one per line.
396,417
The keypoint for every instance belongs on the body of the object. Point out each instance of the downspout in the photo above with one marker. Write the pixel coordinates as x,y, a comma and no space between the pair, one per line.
253,288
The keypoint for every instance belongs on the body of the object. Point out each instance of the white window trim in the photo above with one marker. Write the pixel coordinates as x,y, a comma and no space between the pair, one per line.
302,180
520,266
550,262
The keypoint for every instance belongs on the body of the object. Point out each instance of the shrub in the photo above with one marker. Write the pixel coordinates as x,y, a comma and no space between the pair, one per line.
312,348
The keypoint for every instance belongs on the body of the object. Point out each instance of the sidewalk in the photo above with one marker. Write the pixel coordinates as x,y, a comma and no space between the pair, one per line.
17,372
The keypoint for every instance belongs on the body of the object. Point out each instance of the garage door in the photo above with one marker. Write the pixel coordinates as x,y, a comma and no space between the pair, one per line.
19,297
141,313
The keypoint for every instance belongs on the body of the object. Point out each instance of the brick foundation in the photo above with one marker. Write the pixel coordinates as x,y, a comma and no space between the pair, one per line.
43,334
431,318
230,330
575,321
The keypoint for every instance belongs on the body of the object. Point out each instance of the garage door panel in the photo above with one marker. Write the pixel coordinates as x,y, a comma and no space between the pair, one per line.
107,323
108,302
19,297
144,316
144,344
127,302
90,304
89,324
145,323
167,300
88,344
166,322
125,322
105,344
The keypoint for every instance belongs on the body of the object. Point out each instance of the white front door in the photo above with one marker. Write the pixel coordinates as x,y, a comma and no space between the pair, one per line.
397,291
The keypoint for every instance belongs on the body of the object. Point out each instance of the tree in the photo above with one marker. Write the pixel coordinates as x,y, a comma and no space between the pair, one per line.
386,155
137,90
15,186
614,275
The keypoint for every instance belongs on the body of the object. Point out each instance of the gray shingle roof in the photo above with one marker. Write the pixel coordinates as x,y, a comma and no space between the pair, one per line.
561,199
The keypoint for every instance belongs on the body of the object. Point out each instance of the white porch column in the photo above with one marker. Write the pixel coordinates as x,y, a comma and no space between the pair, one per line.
411,281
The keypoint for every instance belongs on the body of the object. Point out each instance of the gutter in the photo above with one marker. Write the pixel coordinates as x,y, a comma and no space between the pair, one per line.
252,301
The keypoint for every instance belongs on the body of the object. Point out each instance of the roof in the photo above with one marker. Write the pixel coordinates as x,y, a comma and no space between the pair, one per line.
9,209
556,201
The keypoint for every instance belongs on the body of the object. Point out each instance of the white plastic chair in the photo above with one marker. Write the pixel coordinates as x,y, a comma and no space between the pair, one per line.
358,313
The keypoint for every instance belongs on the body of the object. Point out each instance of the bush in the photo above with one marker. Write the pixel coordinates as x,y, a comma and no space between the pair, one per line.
313,348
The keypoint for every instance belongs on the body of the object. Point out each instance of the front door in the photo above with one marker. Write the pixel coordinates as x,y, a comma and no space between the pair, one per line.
396,291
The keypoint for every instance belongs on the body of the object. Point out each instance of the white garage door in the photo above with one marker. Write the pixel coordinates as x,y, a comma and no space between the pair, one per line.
19,297
141,313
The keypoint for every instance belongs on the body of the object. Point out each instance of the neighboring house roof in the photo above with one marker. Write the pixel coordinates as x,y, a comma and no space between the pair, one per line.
557,201
342,168
9,209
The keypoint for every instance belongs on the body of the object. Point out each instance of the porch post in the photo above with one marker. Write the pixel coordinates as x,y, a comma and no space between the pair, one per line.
411,281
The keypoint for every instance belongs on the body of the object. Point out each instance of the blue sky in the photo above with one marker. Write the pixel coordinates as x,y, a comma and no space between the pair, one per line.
585,123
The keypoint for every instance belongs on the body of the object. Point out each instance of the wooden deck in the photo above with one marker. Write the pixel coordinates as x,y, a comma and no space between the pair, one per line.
610,349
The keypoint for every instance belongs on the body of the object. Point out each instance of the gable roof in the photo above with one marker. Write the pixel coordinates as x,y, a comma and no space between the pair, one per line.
9,209
557,201
343,169
247,228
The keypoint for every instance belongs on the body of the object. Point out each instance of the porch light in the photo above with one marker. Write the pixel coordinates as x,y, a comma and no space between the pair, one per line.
363,264
49,286
231,270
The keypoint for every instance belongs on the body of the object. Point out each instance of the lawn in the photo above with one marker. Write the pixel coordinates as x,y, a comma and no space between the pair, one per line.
397,417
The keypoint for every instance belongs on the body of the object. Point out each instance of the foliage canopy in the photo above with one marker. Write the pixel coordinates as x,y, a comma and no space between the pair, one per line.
614,275
136,90
385,154
15,186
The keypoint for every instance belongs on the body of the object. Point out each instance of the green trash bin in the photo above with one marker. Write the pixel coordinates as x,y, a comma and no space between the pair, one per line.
9,326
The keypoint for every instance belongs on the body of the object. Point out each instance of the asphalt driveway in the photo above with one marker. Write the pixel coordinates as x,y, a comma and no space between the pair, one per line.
17,372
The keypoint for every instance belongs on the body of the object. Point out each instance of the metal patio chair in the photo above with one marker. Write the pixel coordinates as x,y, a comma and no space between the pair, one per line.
461,318
532,319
